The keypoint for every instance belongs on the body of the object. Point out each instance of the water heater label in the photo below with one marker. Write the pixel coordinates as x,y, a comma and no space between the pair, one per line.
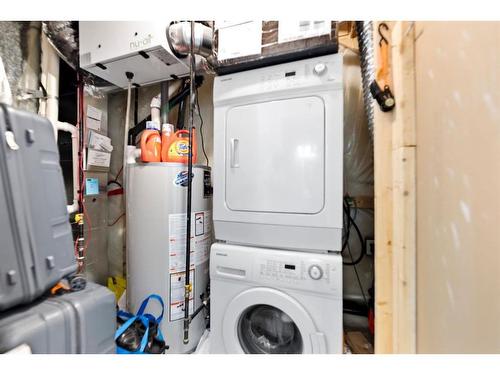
201,239
176,306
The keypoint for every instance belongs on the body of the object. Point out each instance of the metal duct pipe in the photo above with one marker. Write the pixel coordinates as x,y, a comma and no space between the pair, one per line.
179,39
364,30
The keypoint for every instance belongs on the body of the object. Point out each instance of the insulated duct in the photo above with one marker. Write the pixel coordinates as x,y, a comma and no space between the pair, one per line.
179,39
364,29
63,35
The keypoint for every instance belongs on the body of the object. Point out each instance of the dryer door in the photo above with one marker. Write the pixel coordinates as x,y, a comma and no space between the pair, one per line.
275,156
267,321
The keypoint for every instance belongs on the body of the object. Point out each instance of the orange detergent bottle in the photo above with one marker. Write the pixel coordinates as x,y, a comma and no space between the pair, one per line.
175,146
150,146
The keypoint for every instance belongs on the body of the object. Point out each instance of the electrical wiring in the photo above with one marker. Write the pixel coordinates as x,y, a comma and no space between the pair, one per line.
345,244
116,220
86,217
201,127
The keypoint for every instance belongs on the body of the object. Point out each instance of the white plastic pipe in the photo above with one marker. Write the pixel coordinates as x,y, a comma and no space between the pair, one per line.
125,135
5,92
50,109
155,110
156,102
64,126
50,80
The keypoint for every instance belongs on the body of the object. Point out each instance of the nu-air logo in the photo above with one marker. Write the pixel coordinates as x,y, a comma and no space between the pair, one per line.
141,43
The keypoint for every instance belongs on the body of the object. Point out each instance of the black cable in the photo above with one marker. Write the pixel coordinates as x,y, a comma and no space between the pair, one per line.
136,106
201,127
347,225
345,244
357,276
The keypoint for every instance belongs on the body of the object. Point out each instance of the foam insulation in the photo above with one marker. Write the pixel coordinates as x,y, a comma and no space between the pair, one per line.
20,53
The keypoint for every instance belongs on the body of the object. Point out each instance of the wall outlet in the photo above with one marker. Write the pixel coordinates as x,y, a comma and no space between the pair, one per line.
370,246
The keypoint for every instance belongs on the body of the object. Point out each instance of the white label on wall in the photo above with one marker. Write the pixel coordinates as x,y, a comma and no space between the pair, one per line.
294,30
94,117
176,307
94,113
98,158
93,124
201,239
240,40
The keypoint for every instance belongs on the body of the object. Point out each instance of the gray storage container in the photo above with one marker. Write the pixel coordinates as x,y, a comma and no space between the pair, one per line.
82,322
36,248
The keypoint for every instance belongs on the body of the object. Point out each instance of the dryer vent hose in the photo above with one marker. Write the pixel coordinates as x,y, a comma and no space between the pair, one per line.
364,29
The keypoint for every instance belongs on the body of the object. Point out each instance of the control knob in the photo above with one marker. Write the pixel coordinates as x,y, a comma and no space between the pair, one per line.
315,272
319,69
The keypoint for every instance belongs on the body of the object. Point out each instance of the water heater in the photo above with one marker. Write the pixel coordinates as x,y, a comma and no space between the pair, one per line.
156,244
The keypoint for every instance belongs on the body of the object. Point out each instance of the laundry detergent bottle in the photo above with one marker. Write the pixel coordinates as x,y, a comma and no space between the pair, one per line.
150,146
175,146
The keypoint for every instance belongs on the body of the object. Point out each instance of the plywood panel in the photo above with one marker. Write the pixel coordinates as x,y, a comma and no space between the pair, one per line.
458,185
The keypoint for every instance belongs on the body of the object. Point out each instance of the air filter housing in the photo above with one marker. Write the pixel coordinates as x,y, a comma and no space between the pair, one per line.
109,49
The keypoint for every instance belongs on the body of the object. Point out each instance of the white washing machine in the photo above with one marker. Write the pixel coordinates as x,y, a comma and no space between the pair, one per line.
275,301
278,155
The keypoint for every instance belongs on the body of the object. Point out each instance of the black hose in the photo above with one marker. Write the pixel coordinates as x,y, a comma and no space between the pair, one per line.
136,105
192,104
164,106
351,222
181,115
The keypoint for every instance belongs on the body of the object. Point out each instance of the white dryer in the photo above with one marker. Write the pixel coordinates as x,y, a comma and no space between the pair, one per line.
278,149
274,301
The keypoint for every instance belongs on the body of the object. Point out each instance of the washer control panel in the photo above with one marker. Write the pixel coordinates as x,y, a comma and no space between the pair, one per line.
302,272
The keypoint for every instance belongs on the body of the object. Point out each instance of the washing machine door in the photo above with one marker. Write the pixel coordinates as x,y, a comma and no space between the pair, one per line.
267,321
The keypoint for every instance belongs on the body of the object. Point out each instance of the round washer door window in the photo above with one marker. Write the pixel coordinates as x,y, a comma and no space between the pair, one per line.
264,329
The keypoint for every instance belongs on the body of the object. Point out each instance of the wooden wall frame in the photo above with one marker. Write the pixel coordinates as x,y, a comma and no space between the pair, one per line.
395,200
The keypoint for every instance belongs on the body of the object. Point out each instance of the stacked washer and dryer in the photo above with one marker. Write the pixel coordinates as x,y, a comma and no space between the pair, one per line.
276,270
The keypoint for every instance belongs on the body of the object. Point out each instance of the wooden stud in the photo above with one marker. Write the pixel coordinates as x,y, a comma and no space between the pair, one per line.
395,202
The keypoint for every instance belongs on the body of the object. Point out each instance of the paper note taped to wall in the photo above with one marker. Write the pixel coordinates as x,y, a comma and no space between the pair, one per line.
94,117
96,158
294,30
244,39
99,142
91,186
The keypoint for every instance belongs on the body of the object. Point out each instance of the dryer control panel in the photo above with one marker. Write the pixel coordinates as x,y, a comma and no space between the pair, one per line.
319,73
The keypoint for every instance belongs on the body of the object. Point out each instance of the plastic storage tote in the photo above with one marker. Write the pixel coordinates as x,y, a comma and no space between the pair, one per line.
36,241
82,322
